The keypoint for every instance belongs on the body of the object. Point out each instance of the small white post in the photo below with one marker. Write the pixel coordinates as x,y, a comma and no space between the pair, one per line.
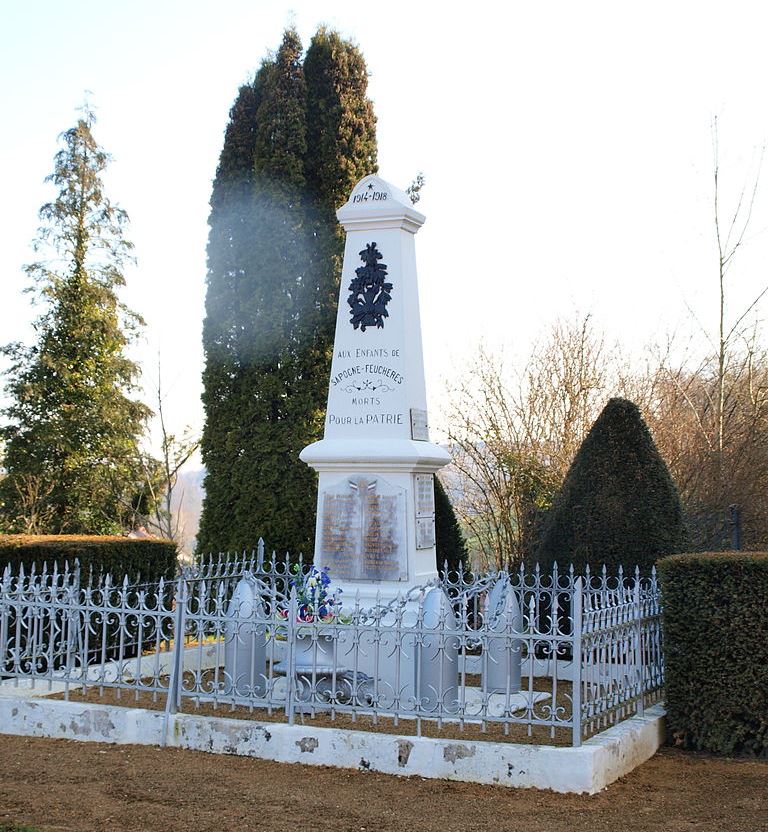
173,698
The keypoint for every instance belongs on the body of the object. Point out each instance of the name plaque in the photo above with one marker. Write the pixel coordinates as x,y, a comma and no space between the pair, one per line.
425,511
419,426
362,535
425,532
425,495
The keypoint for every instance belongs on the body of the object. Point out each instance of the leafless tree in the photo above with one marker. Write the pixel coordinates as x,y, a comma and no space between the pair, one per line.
729,241
36,512
710,414
514,435
562,389
161,476
716,461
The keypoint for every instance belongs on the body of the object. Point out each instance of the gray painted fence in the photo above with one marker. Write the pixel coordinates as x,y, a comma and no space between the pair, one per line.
563,652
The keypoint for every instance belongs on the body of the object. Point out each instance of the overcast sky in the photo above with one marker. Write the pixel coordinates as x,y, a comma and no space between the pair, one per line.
566,147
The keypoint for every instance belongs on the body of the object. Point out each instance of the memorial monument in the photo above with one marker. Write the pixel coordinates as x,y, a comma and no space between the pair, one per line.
376,508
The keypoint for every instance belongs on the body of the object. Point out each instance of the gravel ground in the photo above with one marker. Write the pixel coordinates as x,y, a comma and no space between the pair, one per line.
64,785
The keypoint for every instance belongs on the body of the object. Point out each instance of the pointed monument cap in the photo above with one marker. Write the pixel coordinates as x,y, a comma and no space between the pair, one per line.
374,203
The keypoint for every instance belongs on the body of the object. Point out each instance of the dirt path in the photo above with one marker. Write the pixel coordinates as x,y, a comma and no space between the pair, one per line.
63,785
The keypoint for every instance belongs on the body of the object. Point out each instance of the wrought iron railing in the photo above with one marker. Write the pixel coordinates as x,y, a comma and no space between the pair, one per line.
561,654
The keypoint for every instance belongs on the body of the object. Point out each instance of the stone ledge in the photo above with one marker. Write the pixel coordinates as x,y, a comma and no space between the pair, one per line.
599,762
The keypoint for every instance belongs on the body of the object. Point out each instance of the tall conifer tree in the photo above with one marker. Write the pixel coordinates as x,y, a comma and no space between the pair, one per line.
71,443
229,281
274,260
341,139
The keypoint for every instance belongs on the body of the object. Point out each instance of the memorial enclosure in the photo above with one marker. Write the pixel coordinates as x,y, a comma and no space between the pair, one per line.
547,679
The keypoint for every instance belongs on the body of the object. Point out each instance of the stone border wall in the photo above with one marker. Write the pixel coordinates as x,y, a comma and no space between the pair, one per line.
598,762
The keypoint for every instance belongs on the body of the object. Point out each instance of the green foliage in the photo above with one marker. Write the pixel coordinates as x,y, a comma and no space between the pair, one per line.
71,445
451,545
618,504
300,135
716,651
341,125
12,827
149,559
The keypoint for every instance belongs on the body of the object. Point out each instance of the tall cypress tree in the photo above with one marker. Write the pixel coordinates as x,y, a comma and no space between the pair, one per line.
274,257
341,142
341,125
72,439
273,495
230,280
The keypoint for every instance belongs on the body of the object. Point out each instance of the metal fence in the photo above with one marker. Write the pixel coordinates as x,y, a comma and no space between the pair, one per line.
562,654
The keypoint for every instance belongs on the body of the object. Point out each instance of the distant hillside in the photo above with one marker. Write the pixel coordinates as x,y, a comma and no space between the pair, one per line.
186,505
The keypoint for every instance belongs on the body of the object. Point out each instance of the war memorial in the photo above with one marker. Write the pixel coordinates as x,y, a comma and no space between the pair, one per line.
369,657
376,508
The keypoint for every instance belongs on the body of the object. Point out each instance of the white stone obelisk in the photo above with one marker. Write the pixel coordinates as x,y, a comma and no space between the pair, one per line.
375,510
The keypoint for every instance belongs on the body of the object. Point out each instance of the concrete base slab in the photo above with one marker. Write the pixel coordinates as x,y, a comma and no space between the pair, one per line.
590,768
31,688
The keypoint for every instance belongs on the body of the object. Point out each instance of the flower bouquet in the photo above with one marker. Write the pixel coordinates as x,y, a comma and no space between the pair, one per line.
316,603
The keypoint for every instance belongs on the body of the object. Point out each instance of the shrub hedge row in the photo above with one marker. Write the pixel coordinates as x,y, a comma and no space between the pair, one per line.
149,559
716,650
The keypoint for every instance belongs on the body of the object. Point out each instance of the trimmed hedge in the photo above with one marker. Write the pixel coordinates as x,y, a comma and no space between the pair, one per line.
149,559
715,618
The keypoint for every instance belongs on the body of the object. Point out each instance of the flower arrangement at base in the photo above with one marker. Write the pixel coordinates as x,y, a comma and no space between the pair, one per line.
316,602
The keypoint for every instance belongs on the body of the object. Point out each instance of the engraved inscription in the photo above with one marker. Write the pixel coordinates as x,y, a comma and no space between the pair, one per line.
425,495
424,498
342,526
425,532
380,547
370,195
363,531
419,426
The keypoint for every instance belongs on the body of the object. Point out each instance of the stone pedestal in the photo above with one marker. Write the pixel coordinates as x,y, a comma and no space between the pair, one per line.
375,511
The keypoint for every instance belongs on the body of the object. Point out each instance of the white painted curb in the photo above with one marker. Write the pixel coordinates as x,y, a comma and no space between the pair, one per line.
599,762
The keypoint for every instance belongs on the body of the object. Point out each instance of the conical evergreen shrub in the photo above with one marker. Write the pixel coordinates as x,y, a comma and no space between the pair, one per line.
618,504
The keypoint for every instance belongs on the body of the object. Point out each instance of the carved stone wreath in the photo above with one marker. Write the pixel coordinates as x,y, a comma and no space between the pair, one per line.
370,294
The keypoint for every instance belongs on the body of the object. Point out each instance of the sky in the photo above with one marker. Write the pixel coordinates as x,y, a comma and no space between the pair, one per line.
567,150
